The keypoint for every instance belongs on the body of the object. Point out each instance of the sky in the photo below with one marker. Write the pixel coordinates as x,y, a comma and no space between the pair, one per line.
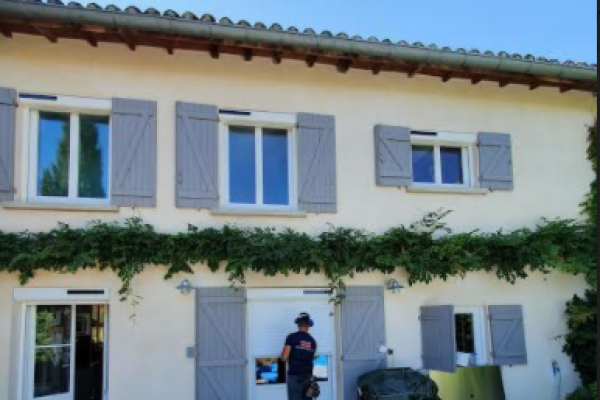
562,29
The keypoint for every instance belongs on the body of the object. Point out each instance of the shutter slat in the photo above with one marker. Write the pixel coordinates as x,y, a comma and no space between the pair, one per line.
317,180
134,153
363,333
508,335
393,156
438,338
222,363
197,156
496,161
8,107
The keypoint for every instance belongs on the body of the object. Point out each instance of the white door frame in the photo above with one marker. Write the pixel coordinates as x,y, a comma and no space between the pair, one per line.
29,299
283,294
31,351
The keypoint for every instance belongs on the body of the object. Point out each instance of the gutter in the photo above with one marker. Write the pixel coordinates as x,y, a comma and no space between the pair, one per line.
40,12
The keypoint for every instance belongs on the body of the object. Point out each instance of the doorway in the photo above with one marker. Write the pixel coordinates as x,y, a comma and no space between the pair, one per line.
66,352
271,315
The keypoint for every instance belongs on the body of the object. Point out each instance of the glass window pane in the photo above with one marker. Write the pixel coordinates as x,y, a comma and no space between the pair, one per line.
465,336
242,165
452,170
53,326
52,374
53,154
321,370
270,371
276,186
423,164
93,157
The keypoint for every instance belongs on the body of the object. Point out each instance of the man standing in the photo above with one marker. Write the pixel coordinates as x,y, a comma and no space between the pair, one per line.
299,352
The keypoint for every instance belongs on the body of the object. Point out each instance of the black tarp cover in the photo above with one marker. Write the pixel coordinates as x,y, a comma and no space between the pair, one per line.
397,384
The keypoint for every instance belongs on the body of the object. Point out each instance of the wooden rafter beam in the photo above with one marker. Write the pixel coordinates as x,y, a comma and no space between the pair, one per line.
448,76
46,33
413,71
248,54
215,51
173,44
87,35
91,40
477,79
127,39
311,61
343,66
534,86
566,88
6,31
376,69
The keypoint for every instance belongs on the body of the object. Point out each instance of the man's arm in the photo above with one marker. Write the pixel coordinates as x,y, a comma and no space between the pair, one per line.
287,349
285,353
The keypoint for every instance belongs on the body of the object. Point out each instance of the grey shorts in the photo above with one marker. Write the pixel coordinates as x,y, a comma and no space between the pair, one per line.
296,387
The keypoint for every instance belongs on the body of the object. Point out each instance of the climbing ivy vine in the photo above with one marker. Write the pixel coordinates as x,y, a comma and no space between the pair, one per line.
427,250
582,312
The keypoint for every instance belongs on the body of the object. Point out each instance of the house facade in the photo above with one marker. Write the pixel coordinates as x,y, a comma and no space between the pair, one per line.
108,115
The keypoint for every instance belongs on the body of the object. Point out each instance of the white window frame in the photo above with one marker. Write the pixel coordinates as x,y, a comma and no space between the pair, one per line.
29,300
258,295
74,106
465,141
479,331
259,121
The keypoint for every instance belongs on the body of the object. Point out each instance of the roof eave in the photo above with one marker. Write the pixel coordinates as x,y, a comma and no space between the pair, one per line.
73,16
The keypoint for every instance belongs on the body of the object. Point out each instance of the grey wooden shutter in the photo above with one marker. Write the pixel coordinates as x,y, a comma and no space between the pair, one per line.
221,344
197,156
496,161
438,338
393,156
134,147
317,178
8,106
363,333
508,335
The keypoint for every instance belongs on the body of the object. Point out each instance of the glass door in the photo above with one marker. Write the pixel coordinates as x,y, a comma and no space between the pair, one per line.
53,352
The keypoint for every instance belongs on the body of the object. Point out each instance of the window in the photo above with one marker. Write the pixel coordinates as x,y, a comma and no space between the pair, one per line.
260,166
273,371
470,336
69,152
465,335
443,159
270,371
63,344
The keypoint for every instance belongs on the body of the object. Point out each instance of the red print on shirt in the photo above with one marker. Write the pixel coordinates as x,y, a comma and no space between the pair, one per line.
306,345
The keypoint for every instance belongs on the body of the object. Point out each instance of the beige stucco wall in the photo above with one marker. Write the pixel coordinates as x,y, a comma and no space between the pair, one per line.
148,359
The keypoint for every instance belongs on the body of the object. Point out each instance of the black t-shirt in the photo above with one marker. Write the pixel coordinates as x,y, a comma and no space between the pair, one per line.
302,355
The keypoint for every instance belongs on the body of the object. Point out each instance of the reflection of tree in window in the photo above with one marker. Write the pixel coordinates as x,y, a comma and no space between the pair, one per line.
93,157
54,156
54,152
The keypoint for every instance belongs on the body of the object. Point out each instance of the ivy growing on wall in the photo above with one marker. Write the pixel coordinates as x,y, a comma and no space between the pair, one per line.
427,250
582,312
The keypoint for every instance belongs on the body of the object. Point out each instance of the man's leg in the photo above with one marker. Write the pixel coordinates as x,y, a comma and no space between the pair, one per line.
296,388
